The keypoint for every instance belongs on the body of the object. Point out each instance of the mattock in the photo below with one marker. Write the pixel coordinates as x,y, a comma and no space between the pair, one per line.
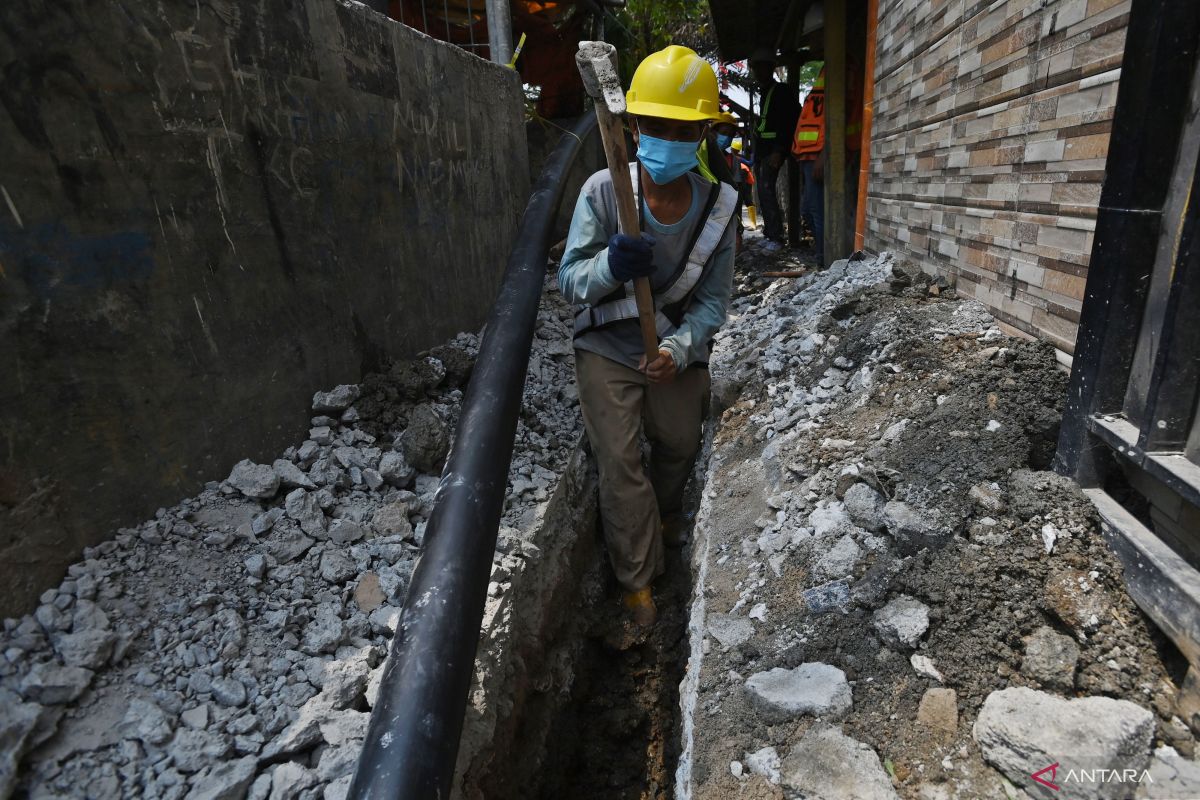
597,62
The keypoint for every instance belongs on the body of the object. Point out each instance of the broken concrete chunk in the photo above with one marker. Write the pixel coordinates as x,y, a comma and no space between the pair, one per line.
303,507
49,683
326,630
337,400
88,648
344,531
815,689
730,629
254,480
146,721
1050,658
196,718
913,529
228,780
764,762
337,567
392,519
264,522
229,691
291,476
290,779
827,517
384,620
840,560
1021,731
344,727
288,545
396,471
17,724
829,765
864,505
192,750
256,565
89,617
1172,777
924,666
902,622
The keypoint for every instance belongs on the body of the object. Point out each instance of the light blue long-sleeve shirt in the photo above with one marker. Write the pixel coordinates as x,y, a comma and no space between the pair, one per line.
585,278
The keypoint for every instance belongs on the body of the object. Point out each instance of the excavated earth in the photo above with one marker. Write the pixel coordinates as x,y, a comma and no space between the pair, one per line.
881,551
886,593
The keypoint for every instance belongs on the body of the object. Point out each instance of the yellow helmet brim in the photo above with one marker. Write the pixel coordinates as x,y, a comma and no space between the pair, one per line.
642,108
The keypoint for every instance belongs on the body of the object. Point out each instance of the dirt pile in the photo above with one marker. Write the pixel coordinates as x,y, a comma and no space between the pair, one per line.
881,549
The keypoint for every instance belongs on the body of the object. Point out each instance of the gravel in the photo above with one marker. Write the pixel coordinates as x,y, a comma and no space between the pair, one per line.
231,645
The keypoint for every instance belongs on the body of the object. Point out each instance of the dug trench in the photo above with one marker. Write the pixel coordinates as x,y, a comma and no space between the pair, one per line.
877,447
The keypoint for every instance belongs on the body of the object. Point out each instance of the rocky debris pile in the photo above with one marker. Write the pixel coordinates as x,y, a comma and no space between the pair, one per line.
233,645
877,508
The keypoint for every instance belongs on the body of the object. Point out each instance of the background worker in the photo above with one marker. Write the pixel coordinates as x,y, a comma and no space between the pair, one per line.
717,162
772,141
745,168
687,254
808,146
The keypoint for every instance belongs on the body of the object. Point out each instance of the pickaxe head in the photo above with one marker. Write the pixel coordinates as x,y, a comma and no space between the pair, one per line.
597,62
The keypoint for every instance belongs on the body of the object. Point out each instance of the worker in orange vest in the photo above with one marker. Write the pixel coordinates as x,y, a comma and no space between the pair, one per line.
808,146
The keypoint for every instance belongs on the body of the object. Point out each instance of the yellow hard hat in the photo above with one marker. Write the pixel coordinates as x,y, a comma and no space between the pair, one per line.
725,116
674,83
737,145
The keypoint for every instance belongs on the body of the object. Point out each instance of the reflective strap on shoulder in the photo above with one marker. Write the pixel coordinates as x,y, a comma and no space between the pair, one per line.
706,245
762,116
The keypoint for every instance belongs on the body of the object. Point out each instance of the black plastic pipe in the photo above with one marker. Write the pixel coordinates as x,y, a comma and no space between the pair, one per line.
412,740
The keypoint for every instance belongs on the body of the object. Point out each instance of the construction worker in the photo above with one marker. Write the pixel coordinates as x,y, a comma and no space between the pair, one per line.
686,252
716,163
746,186
772,140
808,146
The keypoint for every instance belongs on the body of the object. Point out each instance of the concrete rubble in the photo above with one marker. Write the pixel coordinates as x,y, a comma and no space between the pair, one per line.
893,596
877,502
232,646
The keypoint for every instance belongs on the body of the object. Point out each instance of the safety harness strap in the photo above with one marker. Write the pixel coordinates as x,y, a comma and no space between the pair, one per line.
687,279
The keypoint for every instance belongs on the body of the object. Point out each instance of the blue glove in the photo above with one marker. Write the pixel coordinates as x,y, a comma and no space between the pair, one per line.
630,258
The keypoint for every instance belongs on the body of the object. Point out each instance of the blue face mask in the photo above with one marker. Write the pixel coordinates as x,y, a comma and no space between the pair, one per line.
724,140
665,160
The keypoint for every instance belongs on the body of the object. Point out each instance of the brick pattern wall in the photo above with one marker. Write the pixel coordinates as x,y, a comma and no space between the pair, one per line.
990,134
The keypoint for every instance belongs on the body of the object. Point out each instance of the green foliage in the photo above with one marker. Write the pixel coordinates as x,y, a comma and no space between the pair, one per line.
645,26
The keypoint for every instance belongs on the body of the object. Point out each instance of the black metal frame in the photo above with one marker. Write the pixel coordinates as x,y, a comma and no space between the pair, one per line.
1152,103
1135,381
412,741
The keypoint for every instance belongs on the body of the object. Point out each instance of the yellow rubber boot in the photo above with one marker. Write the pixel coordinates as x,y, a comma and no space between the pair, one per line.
640,605
753,216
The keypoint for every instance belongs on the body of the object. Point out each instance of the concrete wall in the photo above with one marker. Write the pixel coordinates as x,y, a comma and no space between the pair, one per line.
988,147
207,212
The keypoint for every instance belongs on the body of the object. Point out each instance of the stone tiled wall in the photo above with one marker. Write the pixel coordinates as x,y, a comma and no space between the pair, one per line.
987,156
